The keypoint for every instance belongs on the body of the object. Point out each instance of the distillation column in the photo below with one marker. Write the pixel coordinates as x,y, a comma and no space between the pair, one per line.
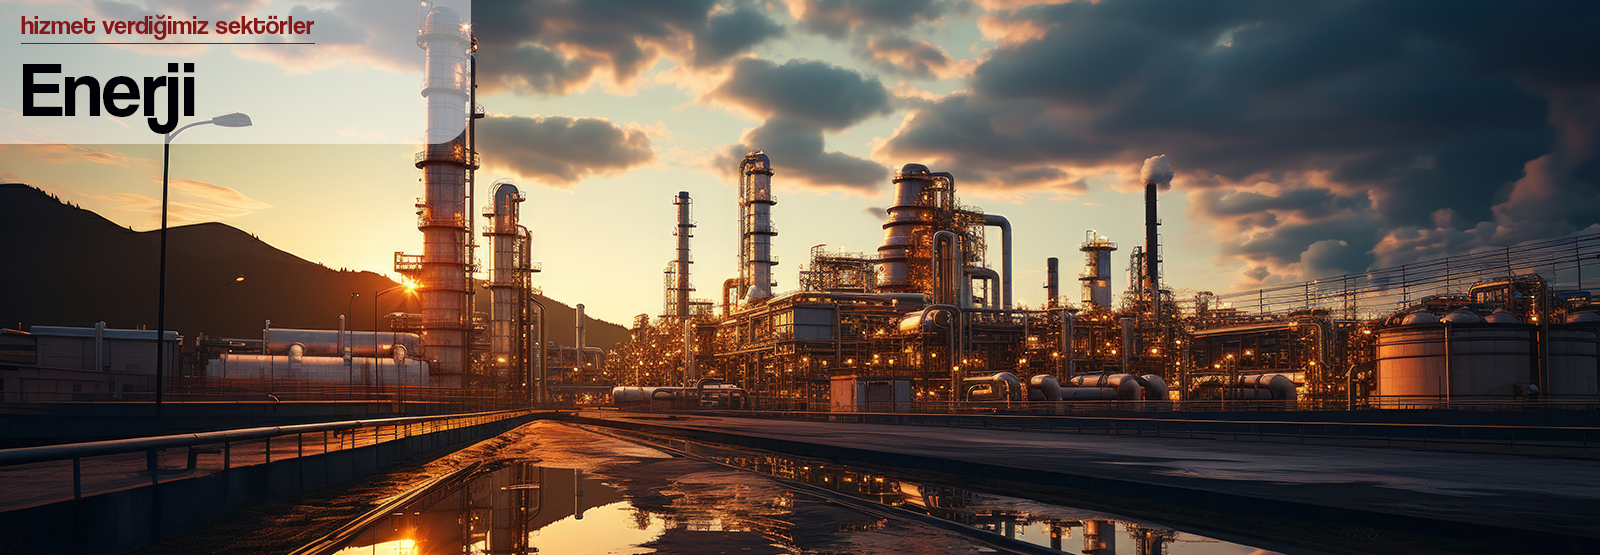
901,268
505,280
442,217
755,227
680,293
1096,276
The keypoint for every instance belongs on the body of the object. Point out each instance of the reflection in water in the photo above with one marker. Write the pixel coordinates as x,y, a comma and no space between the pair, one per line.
1034,523
521,508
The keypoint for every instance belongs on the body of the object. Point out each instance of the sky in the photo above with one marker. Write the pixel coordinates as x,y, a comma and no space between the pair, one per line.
1308,139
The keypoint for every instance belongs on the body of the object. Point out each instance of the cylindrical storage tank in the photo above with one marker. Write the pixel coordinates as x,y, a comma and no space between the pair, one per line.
1486,362
326,342
382,371
1574,361
1126,387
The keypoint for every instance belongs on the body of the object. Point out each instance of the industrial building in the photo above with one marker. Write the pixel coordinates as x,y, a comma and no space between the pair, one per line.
928,322
52,363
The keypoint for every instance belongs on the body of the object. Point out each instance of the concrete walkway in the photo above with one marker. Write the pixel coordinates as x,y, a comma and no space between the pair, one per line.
1560,496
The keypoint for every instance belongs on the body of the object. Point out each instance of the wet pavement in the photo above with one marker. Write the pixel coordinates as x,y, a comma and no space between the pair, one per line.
562,489
1502,491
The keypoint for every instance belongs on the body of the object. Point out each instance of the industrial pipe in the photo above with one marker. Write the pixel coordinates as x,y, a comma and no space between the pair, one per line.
1005,252
542,394
946,287
1044,387
582,339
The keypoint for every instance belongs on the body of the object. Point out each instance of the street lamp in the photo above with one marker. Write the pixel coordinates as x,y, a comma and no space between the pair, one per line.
409,286
235,119
218,294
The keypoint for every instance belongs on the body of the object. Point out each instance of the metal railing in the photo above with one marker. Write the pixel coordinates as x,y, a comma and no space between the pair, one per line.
37,475
1377,292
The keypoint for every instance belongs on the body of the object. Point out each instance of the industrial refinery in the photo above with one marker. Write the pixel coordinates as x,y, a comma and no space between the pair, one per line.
928,322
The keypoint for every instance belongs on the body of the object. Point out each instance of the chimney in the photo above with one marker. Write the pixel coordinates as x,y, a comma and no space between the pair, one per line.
1052,281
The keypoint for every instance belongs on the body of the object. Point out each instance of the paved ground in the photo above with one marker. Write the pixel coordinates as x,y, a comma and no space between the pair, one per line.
1504,491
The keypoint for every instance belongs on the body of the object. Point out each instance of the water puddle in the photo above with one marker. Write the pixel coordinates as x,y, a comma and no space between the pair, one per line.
520,508
1059,528
687,505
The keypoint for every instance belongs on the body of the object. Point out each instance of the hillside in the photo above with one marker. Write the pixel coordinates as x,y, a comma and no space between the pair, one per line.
67,266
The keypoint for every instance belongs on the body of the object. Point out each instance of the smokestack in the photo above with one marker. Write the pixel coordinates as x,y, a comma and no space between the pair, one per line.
442,217
1157,174
1052,281
755,227
680,299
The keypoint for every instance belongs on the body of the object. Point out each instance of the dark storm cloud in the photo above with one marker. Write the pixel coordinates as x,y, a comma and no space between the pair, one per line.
554,46
732,33
798,154
838,18
817,93
801,99
560,151
1357,121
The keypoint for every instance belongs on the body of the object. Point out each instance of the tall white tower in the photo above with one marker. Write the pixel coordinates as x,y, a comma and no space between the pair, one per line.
445,273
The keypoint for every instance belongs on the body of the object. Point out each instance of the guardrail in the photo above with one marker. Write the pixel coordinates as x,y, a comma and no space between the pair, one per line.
29,471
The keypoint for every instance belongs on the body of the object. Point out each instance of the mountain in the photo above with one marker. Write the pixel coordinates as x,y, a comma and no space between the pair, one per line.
66,266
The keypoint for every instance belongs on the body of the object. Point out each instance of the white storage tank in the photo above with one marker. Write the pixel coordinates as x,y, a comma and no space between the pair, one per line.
1574,362
1486,360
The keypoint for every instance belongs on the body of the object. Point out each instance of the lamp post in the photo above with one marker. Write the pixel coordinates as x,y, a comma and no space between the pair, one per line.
218,294
399,374
235,119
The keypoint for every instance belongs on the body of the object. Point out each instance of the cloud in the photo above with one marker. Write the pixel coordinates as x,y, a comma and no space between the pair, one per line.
1313,136
799,157
560,151
813,92
839,18
733,32
554,47
913,58
801,100
68,154
191,202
